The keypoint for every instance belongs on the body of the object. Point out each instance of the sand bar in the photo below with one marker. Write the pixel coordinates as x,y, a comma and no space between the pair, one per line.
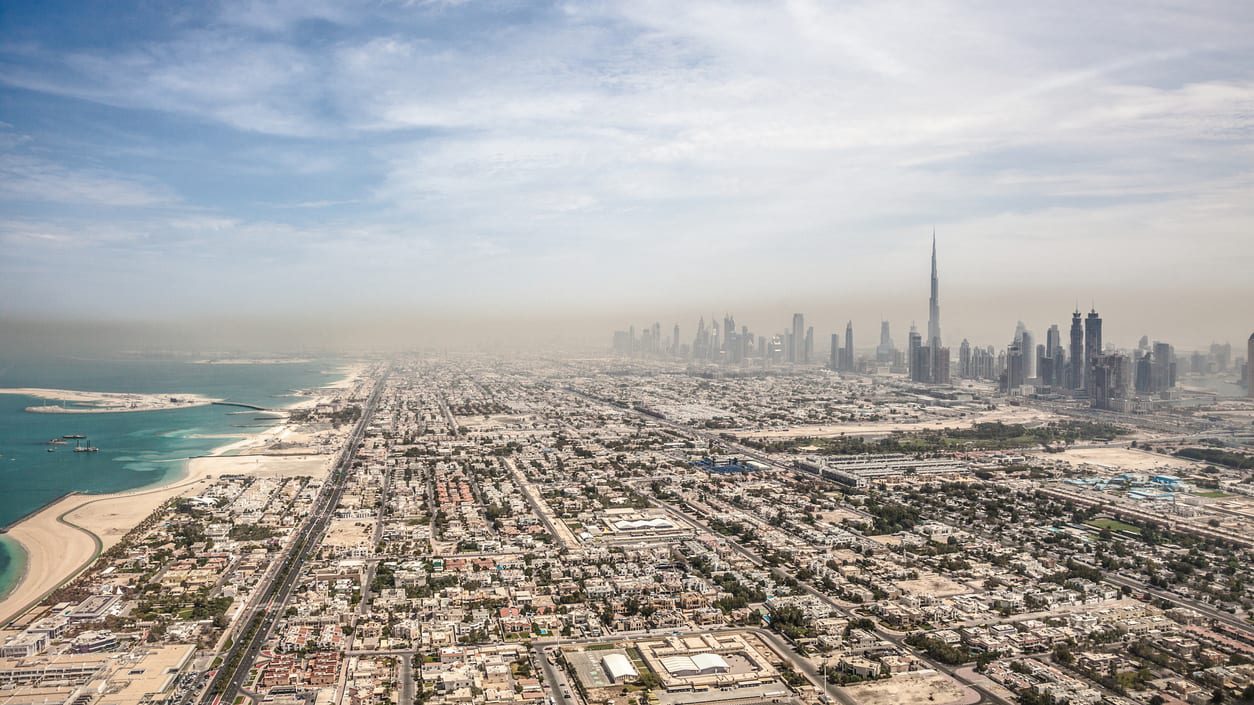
106,402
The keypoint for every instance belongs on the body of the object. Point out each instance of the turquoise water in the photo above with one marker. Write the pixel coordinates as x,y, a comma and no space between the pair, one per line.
136,448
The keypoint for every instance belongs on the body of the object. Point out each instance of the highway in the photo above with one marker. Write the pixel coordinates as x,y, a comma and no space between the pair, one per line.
275,591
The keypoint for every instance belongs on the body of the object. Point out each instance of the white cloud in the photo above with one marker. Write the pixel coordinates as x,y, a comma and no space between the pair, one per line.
784,140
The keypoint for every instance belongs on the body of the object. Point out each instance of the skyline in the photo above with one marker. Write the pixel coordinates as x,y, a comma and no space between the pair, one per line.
494,162
585,329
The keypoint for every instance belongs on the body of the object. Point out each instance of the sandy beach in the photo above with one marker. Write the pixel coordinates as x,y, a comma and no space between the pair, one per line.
62,539
106,402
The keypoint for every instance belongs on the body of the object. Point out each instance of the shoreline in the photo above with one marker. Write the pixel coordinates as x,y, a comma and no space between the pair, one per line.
62,539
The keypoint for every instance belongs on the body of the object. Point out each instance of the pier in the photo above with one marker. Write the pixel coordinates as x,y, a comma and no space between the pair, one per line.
242,405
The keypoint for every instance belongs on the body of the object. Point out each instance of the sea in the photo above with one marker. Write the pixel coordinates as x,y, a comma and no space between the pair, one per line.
137,449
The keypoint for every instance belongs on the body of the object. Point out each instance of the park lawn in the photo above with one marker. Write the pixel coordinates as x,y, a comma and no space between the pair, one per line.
1112,524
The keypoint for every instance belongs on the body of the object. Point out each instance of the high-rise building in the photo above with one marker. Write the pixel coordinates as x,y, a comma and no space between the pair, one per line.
1163,370
849,346
933,310
940,366
1092,345
964,360
885,351
1109,386
834,362
1077,352
1222,355
1016,371
921,365
1029,355
1044,366
1249,367
808,348
913,342
796,355
1144,373
1054,353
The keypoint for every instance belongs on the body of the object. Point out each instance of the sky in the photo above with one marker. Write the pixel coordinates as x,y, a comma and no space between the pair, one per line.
513,165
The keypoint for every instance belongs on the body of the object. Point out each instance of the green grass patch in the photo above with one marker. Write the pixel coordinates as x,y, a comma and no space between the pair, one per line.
1213,494
1113,525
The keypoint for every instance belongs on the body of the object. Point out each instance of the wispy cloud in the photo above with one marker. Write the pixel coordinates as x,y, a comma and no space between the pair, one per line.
786,135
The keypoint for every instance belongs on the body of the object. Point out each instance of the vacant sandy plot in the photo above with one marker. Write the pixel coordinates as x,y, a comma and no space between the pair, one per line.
917,688
1116,458
347,533
1011,415
837,516
934,585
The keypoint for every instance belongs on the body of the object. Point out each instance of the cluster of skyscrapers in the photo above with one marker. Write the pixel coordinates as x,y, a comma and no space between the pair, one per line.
1083,368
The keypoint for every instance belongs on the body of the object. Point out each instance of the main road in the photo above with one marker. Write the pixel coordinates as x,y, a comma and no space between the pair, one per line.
275,591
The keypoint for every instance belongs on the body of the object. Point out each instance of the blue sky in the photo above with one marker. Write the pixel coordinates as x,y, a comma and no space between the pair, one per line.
161,159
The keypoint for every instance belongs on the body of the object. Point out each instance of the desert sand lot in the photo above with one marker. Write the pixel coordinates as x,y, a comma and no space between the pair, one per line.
934,585
1008,415
1116,458
347,533
917,688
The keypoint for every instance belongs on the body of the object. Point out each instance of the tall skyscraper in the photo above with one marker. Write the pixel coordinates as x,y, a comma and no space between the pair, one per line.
933,311
1077,352
1108,388
1016,370
1029,355
886,351
913,342
1092,345
1054,352
1249,367
940,366
796,355
834,363
964,360
808,355
849,346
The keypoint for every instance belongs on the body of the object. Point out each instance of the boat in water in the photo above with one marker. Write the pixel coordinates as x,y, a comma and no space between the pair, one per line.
57,442
74,436
89,448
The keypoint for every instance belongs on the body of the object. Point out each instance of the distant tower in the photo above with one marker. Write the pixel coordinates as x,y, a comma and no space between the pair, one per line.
885,352
835,361
914,342
1077,351
1249,367
1029,355
1092,345
798,338
849,346
933,315
809,346
1053,351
